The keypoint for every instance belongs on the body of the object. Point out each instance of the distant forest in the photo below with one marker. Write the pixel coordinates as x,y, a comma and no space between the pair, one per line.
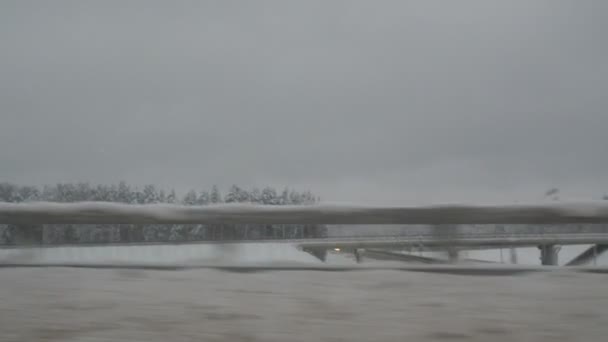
125,233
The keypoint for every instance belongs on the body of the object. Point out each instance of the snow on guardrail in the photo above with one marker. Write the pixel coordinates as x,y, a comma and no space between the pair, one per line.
114,213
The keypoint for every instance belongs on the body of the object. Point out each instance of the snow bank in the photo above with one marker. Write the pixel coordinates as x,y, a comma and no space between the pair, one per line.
226,254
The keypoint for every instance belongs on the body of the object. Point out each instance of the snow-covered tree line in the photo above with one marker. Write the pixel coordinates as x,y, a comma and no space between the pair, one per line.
124,193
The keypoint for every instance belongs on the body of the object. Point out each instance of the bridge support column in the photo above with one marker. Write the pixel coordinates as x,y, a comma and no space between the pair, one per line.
453,255
513,252
548,254
358,255
594,255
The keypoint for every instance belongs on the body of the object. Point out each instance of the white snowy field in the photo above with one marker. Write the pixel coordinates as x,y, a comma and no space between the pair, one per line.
235,254
67,304
242,254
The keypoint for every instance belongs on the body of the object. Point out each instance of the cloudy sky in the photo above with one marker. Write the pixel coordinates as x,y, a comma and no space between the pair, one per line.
359,101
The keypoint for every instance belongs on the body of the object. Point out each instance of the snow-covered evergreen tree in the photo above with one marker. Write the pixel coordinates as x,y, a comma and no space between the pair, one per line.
124,193
29,194
190,198
269,196
7,192
232,194
236,195
49,193
100,193
255,196
295,198
216,196
83,192
66,192
137,197
285,200
172,197
203,198
149,194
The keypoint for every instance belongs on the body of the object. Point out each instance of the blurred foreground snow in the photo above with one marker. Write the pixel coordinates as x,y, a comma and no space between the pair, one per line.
60,304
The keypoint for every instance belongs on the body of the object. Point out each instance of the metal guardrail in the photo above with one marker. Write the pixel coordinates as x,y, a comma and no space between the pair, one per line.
113,213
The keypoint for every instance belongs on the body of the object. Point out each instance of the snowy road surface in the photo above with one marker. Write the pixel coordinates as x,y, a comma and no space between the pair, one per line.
61,304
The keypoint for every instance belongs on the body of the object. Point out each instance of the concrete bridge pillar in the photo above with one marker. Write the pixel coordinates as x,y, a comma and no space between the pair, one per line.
359,255
513,253
548,254
453,255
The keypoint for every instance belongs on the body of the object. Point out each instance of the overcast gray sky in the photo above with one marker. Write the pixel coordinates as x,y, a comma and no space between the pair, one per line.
359,101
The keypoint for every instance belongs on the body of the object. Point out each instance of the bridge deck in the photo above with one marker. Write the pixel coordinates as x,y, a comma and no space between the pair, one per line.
465,241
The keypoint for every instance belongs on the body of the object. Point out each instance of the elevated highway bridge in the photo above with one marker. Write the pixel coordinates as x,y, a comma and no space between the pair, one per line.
443,220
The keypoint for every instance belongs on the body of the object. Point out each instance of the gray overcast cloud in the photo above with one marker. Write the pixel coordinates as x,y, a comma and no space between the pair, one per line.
359,101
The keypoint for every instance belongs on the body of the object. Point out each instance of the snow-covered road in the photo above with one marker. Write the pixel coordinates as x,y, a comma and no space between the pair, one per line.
61,304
